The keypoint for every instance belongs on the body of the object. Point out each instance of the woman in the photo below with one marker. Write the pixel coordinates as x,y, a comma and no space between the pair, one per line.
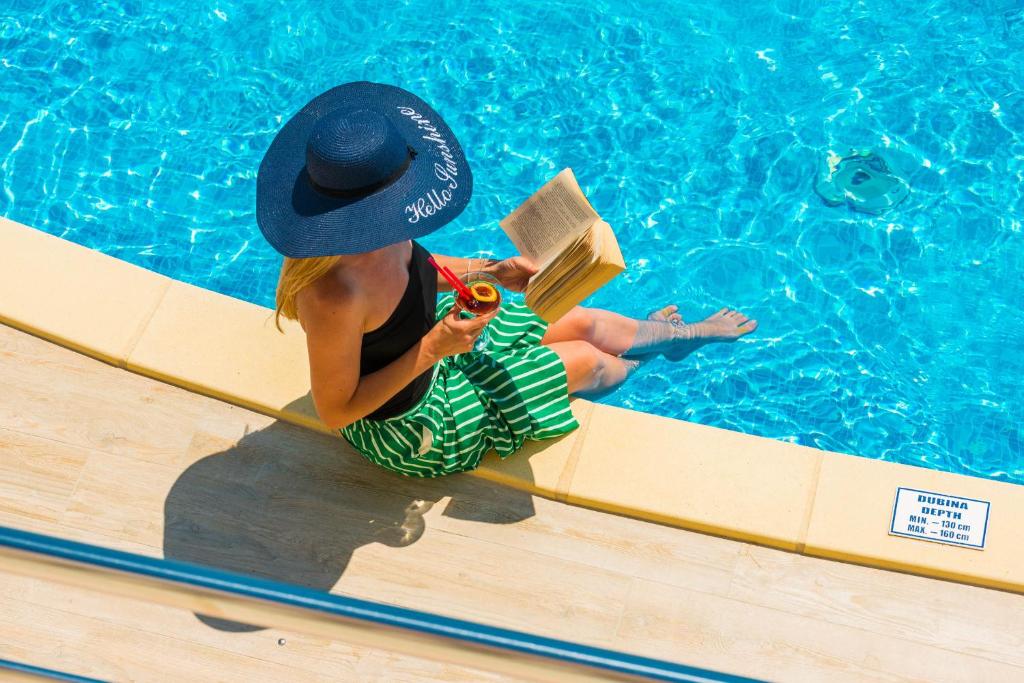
343,191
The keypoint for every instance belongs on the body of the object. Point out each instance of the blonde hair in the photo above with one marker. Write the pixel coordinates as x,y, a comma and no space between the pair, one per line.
296,275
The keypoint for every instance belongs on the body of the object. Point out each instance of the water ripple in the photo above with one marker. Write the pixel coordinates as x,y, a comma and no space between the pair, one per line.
695,128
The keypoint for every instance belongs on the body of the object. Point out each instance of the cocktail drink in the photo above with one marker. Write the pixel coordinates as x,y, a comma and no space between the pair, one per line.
486,297
476,293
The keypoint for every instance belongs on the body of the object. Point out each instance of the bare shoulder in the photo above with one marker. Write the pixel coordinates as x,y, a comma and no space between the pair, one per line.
329,303
332,315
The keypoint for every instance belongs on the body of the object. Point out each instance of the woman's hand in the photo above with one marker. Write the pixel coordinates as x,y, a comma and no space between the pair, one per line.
513,273
452,335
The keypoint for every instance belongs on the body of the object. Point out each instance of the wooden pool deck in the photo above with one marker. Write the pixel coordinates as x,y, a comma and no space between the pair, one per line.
94,453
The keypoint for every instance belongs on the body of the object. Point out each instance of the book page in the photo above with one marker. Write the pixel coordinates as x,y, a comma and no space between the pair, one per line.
564,268
577,272
556,214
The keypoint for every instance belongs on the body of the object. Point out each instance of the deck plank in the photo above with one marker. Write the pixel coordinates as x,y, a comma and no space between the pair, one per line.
957,617
97,454
37,478
75,630
746,638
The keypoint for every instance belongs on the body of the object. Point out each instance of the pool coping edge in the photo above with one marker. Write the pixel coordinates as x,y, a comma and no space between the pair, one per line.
620,461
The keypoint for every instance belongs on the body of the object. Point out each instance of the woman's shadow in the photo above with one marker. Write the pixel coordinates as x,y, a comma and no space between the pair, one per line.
290,504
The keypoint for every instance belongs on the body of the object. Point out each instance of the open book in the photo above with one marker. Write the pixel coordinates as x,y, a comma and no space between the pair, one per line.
576,252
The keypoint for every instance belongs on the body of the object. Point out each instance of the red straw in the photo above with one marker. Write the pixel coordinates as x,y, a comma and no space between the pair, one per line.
452,279
454,282
463,289
459,286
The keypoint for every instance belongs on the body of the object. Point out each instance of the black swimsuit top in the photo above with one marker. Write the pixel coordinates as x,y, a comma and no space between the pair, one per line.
412,318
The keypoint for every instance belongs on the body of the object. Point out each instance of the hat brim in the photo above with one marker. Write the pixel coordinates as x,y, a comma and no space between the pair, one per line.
300,222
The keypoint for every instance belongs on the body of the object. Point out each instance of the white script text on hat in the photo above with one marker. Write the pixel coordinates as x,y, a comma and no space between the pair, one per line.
434,200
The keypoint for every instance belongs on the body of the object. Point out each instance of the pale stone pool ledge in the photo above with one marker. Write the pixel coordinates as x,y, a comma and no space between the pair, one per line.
678,473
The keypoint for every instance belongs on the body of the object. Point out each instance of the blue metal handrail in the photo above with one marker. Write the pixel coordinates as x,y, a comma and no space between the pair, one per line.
363,612
48,673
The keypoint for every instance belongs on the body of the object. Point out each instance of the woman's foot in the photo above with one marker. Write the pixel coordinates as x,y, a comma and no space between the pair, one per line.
681,339
726,325
668,313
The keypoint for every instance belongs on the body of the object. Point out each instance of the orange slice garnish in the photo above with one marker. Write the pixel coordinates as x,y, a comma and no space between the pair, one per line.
483,291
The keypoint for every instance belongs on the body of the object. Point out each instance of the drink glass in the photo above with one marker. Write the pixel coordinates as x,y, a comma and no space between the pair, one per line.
476,306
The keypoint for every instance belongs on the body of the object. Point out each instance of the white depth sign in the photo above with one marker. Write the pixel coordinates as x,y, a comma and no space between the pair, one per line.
940,517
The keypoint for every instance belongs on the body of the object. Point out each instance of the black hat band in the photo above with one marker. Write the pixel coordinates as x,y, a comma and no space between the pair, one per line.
365,190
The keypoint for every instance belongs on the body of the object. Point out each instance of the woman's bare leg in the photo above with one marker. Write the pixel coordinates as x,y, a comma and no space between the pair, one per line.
608,331
616,334
589,370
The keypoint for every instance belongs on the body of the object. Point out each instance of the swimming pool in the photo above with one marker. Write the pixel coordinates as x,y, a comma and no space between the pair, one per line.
696,129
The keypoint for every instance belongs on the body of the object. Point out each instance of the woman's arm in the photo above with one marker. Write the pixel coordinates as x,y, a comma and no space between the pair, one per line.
333,339
513,273
461,266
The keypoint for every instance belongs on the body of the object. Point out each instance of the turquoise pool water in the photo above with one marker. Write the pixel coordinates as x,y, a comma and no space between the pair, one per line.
697,129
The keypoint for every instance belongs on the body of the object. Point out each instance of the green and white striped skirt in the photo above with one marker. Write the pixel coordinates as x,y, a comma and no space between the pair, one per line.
513,389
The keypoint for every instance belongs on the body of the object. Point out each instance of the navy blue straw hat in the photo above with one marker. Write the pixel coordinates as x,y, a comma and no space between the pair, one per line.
362,166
